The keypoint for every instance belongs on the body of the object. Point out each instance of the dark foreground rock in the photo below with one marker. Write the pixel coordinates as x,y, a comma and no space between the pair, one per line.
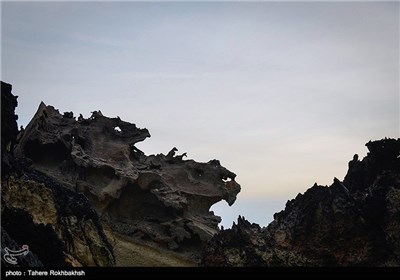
351,223
79,192
59,226
68,178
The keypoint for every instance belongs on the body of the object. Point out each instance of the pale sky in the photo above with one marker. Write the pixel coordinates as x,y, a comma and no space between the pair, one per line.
283,94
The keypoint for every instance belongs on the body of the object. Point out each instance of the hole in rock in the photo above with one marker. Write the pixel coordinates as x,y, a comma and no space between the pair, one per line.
101,176
117,129
47,154
135,204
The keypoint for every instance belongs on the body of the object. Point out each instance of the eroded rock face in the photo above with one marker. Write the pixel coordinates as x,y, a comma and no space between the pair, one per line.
9,128
160,198
59,226
351,223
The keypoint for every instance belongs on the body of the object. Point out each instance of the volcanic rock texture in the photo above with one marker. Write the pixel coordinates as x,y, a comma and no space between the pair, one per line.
79,192
59,225
75,176
351,223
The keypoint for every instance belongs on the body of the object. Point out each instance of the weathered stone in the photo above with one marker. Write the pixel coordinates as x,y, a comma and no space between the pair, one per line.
59,226
9,128
351,223
165,197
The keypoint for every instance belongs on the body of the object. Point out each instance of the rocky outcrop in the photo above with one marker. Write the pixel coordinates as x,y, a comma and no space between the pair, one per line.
351,223
58,225
9,128
79,192
35,208
163,200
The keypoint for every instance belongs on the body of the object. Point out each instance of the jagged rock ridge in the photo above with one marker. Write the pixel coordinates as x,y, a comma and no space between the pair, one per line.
351,223
76,189
161,199
59,226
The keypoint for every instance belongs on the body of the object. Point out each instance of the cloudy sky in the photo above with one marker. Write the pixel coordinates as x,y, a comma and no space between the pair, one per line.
283,94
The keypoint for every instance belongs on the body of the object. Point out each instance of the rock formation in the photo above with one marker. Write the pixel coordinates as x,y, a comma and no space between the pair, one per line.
59,226
351,223
64,165
79,192
9,128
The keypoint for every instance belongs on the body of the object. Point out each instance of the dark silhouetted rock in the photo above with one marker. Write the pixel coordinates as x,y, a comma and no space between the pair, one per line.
9,127
59,226
351,223
162,199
